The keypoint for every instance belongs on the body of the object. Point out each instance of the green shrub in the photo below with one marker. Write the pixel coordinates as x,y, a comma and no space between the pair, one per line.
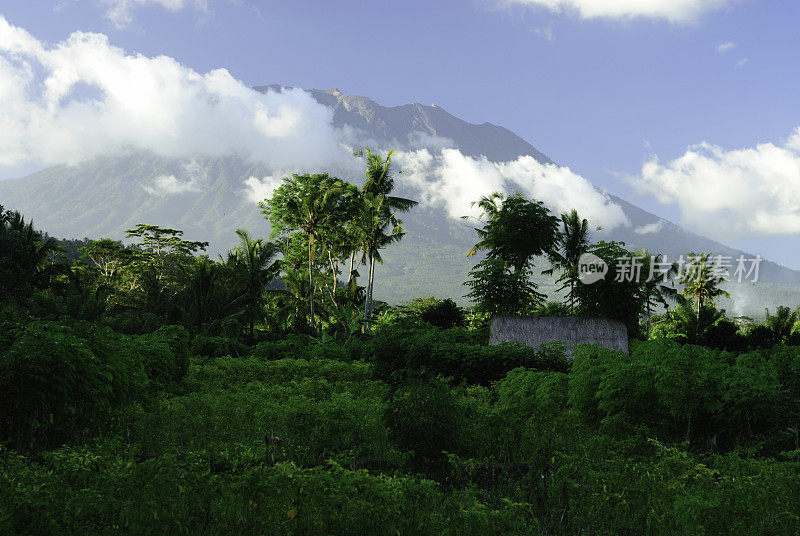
165,353
209,346
454,353
424,417
56,379
292,347
80,491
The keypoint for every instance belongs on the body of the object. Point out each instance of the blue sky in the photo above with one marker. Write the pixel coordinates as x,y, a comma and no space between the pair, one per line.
602,95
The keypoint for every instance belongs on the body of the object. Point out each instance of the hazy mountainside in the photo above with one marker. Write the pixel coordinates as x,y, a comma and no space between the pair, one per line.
206,197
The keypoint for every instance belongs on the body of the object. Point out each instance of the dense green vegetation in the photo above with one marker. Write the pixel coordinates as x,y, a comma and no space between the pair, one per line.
148,389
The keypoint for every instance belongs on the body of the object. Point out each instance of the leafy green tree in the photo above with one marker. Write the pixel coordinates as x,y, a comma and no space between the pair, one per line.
154,273
618,295
496,288
515,231
308,203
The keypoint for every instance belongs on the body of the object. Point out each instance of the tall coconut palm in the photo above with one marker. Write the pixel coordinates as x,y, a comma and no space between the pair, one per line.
490,207
655,289
378,230
379,209
700,284
573,241
255,266
311,214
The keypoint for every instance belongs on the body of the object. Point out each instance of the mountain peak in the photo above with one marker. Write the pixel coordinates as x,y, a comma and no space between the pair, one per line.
401,126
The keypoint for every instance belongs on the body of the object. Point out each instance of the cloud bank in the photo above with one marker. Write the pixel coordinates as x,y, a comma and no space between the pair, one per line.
730,194
84,97
449,178
672,10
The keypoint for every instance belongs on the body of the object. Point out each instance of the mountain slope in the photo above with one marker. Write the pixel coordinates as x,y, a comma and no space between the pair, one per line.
206,198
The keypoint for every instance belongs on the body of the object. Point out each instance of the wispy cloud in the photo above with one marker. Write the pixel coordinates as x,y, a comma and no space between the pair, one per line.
680,11
727,46
194,176
731,193
742,62
120,12
649,228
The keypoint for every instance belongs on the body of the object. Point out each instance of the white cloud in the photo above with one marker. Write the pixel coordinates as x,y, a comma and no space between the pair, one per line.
671,10
120,12
728,194
256,189
742,62
650,228
84,97
195,175
169,184
722,48
449,178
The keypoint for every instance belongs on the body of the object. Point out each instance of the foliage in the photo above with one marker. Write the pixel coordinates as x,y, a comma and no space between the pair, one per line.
444,313
571,243
616,295
55,379
496,288
27,257
515,231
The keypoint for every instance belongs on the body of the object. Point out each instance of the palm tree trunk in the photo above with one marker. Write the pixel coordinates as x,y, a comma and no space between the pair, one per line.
311,283
571,295
352,264
366,299
371,283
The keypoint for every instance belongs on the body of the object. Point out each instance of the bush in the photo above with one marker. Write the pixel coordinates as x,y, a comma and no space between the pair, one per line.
443,314
53,382
293,347
206,346
82,491
713,399
455,354
165,353
424,417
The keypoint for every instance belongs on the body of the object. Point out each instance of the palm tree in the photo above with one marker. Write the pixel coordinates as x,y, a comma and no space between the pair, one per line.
379,229
293,303
311,214
699,282
379,208
782,321
490,206
654,289
27,258
208,295
254,264
573,241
